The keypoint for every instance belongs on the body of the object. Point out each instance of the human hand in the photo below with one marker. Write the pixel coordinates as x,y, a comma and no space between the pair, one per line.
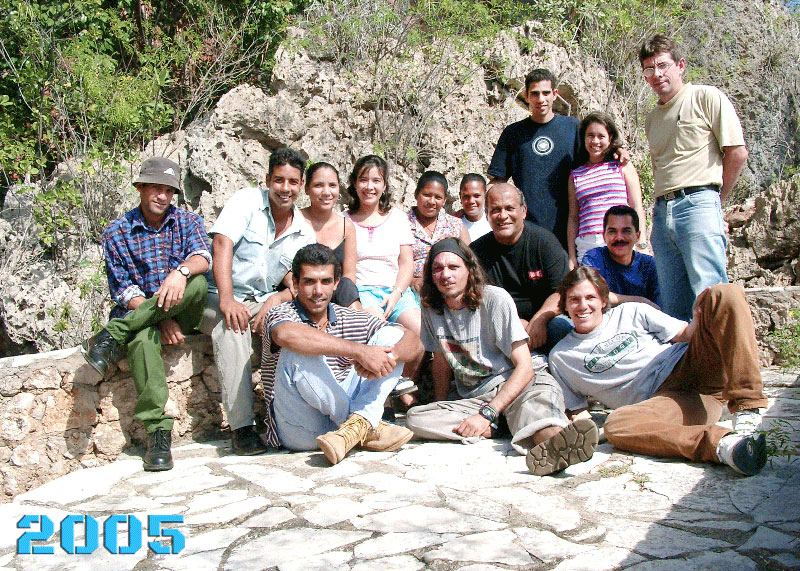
573,263
237,316
374,361
623,156
474,425
171,333
537,333
170,292
389,302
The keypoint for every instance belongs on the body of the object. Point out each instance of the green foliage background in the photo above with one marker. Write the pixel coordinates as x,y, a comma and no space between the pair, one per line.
99,78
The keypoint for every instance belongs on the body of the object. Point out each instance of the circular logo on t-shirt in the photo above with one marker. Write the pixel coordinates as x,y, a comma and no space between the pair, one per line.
542,145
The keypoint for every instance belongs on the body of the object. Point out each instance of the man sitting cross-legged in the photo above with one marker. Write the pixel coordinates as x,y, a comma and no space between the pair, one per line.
667,380
327,369
475,336
156,258
629,274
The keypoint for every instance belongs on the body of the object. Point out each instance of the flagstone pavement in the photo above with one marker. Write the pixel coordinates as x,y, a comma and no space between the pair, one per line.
431,505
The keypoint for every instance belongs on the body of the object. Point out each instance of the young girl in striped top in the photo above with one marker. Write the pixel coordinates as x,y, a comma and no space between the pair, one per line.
602,182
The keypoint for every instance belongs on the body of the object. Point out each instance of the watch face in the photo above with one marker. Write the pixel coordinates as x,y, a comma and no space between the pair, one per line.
184,271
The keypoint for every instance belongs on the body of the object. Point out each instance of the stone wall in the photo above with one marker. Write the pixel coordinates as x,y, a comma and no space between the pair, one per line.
58,415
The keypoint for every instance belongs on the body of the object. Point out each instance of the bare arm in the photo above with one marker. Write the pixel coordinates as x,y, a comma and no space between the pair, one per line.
537,326
634,188
732,164
350,251
476,425
519,379
405,272
572,226
464,235
237,316
442,376
686,333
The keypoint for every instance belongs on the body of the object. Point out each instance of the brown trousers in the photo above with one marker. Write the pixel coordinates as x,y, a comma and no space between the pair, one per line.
720,364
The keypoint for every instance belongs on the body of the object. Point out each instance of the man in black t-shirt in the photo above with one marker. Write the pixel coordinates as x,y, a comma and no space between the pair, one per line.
525,260
538,153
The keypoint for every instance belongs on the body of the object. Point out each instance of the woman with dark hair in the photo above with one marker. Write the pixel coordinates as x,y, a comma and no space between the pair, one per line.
384,262
429,222
602,182
331,228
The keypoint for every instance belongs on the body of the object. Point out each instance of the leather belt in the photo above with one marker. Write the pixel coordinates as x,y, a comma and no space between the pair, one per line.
681,192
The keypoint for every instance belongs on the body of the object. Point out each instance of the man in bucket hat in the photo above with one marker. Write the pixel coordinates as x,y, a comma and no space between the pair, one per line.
156,258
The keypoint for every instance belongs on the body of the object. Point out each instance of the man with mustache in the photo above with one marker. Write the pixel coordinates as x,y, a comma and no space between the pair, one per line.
327,370
156,257
255,238
629,274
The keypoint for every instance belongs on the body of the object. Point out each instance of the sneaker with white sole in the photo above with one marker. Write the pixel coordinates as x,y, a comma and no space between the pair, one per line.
747,421
746,454
575,443
403,387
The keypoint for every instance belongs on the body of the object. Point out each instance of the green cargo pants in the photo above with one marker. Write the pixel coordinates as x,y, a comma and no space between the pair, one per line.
138,331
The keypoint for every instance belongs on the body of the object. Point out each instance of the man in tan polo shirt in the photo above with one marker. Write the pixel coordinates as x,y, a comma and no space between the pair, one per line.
697,148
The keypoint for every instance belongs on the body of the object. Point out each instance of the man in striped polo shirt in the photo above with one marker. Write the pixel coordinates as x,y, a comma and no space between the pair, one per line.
327,369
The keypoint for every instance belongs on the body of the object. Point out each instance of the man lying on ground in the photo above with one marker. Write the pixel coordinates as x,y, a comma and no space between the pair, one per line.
668,380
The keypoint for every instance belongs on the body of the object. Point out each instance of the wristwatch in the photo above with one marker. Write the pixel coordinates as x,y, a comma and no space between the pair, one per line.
185,272
489,413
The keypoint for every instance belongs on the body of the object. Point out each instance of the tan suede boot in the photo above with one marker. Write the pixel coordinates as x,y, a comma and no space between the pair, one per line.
337,443
386,438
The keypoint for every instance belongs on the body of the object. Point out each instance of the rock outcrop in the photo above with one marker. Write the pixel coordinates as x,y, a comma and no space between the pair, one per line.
764,236
326,114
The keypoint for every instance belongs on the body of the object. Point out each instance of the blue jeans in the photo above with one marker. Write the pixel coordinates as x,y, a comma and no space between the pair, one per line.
689,244
309,401
558,328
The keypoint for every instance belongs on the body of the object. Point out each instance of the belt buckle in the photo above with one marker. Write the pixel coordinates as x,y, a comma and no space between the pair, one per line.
671,195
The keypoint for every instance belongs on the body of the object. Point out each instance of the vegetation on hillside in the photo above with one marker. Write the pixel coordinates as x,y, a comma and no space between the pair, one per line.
99,78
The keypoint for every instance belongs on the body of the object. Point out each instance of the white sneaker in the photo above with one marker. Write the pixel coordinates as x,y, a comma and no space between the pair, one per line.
746,454
403,387
747,421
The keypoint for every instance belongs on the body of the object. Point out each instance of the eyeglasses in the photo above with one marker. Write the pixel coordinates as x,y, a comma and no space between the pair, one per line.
662,67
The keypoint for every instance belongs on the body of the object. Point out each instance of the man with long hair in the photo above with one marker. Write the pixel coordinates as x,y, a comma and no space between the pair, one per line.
477,340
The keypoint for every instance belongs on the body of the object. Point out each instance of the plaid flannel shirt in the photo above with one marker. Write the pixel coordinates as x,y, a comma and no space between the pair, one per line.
139,257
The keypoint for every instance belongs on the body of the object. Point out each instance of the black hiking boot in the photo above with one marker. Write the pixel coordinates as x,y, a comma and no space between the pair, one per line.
158,456
245,442
101,351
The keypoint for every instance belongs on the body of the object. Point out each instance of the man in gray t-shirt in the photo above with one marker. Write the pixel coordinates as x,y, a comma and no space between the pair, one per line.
669,378
477,340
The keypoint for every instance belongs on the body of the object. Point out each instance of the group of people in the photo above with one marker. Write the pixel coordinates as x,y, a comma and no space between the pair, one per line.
532,298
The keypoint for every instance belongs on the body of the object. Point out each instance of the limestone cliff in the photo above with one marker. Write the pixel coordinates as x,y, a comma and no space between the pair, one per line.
312,105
